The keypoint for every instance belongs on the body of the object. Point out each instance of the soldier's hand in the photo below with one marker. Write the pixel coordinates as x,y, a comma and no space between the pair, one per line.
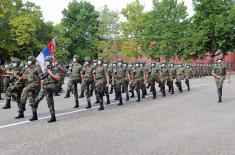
107,85
49,72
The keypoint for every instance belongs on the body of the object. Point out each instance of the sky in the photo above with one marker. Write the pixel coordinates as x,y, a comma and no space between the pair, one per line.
52,9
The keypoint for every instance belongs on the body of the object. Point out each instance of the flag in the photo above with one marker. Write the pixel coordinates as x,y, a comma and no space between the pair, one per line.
48,51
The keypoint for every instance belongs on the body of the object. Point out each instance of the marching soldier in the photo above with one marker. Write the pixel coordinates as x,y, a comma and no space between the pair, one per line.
48,84
87,80
219,72
101,77
74,79
154,77
32,77
14,89
163,76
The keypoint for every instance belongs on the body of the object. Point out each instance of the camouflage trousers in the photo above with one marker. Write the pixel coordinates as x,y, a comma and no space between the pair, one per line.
29,92
14,92
139,84
220,82
152,81
88,87
47,90
72,86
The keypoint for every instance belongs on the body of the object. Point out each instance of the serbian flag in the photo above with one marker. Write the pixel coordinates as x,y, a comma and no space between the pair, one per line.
48,51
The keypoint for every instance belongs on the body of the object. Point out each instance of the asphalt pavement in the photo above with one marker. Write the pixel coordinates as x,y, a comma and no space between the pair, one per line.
180,124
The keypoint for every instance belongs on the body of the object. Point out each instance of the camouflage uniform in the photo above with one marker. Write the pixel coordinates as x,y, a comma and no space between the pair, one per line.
48,88
219,70
88,80
32,75
16,91
119,79
138,76
179,77
154,77
163,78
74,79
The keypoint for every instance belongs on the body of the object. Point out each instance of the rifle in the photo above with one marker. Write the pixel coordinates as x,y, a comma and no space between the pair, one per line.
12,87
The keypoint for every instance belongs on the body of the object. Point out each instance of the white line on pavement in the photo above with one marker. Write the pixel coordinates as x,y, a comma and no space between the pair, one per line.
76,111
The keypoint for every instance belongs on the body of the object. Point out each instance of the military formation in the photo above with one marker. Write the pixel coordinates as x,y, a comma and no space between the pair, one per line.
21,81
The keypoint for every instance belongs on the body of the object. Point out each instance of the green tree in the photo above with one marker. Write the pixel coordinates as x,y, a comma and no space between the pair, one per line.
81,22
212,28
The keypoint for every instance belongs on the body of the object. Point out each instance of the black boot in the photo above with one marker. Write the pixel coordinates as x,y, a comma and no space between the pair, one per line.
108,101
138,95
154,95
132,94
67,94
7,105
76,104
81,95
101,102
120,99
20,115
52,119
163,93
34,104
127,98
88,105
35,117
56,93
220,99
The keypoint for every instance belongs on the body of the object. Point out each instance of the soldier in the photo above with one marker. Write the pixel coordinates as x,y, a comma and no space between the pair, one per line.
48,84
16,87
87,76
74,79
106,88
187,73
179,77
2,70
170,82
126,80
32,76
100,78
163,76
119,79
62,75
137,79
219,73
154,77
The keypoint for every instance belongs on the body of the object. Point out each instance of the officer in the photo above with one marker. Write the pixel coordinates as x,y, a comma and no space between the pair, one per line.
32,77
219,72
74,79
48,84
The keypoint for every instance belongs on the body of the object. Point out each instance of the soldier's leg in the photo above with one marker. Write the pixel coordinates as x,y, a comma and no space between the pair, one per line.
153,88
180,86
50,103
100,91
163,82
119,91
31,98
8,98
87,94
23,100
41,95
96,95
132,90
82,90
92,88
75,93
106,91
187,83
69,88
126,90
137,89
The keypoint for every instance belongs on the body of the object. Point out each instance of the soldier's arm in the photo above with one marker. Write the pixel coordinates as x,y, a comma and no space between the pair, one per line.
54,76
215,75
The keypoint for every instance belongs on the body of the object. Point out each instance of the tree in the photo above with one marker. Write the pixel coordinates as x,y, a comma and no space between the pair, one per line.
132,28
108,32
212,27
81,22
165,26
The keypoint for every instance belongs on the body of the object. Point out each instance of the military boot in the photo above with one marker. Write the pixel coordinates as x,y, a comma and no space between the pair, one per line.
7,105
52,119
101,102
120,99
154,95
67,94
82,94
88,104
127,98
76,104
108,100
21,113
35,117
138,95
34,104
